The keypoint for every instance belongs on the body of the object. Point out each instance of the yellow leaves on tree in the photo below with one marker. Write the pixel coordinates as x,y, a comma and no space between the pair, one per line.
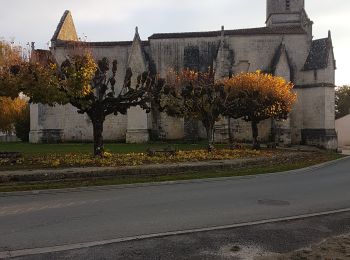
78,82
258,96
10,110
10,61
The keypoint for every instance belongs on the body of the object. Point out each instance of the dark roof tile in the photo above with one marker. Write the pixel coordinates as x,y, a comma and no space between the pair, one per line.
318,55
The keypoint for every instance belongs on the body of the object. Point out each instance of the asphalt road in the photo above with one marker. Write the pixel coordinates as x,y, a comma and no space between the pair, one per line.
244,243
68,217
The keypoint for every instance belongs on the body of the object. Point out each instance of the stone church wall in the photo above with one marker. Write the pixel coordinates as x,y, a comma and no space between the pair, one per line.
267,49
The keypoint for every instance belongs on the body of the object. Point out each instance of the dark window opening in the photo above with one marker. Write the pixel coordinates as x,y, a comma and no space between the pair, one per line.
288,5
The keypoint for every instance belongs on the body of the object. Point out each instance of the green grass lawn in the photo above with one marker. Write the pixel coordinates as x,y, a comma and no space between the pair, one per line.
37,149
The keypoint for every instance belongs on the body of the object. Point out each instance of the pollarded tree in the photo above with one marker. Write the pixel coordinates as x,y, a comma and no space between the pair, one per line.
194,95
255,97
80,81
92,90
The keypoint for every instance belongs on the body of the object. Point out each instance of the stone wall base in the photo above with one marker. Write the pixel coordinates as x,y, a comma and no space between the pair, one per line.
323,138
284,137
221,134
47,136
135,136
9,139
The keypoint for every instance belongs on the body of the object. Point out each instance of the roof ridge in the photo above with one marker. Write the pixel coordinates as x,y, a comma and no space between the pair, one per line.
65,28
103,43
217,33
60,24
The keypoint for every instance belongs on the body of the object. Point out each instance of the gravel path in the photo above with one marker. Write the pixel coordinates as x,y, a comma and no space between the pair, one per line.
337,248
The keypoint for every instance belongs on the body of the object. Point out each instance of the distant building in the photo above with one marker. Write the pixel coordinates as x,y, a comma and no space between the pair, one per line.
342,126
284,47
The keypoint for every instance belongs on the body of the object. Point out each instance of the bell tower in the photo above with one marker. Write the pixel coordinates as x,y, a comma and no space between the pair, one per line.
285,12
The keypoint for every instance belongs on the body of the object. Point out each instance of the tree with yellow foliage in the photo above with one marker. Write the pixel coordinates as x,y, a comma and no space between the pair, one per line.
10,110
81,81
257,96
11,106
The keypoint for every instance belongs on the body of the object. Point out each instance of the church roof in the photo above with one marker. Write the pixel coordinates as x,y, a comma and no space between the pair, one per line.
61,43
318,55
250,31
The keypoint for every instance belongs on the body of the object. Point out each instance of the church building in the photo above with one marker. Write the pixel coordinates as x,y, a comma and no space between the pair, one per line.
283,47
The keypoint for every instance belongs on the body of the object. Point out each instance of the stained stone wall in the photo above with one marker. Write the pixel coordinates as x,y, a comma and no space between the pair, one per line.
311,120
255,52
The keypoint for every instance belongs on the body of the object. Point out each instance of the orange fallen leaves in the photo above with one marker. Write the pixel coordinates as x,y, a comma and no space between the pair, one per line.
133,159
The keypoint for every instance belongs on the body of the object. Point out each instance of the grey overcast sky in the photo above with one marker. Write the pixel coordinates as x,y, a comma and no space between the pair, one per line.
112,20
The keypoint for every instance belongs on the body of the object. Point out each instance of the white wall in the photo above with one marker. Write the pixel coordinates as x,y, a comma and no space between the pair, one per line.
342,126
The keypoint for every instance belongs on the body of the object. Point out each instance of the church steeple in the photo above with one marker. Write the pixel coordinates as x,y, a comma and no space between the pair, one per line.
284,12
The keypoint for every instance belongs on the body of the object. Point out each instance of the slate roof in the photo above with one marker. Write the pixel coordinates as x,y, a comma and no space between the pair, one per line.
59,26
60,43
251,31
318,55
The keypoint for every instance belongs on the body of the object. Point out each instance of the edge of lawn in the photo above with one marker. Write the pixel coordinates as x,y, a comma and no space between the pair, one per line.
9,188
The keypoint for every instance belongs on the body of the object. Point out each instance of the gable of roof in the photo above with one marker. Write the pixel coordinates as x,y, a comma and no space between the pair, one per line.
280,51
250,31
277,57
137,59
65,29
318,57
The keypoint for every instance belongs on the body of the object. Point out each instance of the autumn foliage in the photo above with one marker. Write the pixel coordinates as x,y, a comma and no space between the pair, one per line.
88,84
10,111
194,95
255,97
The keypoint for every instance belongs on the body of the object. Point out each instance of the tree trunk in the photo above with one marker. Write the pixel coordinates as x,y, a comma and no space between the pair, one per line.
210,136
273,133
255,130
98,137
230,135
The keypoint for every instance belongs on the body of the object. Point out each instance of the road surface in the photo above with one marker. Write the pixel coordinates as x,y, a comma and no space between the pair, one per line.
55,218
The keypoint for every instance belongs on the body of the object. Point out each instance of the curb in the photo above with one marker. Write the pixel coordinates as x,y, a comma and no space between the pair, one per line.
105,172
53,249
149,184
